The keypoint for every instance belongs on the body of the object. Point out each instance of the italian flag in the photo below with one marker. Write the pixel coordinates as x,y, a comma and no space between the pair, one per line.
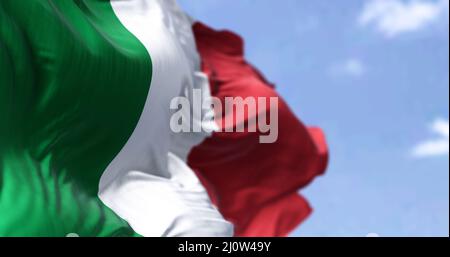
85,141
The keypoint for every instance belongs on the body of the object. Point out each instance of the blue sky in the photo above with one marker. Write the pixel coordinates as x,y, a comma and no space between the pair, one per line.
374,75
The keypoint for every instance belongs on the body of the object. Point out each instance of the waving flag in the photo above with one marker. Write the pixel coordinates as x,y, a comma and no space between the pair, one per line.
86,145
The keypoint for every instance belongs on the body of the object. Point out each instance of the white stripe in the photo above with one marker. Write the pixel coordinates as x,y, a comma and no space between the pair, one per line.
149,184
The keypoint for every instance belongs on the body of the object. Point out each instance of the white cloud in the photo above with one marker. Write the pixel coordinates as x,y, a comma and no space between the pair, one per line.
438,146
353,67
394,17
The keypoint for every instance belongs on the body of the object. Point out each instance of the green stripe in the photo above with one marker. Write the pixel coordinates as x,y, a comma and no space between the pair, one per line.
73,84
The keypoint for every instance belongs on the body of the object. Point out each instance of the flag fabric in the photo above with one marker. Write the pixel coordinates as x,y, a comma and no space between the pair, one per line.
86,146
85,141
255,185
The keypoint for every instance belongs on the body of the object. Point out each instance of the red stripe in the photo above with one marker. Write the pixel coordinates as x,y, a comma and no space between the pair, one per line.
254,185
